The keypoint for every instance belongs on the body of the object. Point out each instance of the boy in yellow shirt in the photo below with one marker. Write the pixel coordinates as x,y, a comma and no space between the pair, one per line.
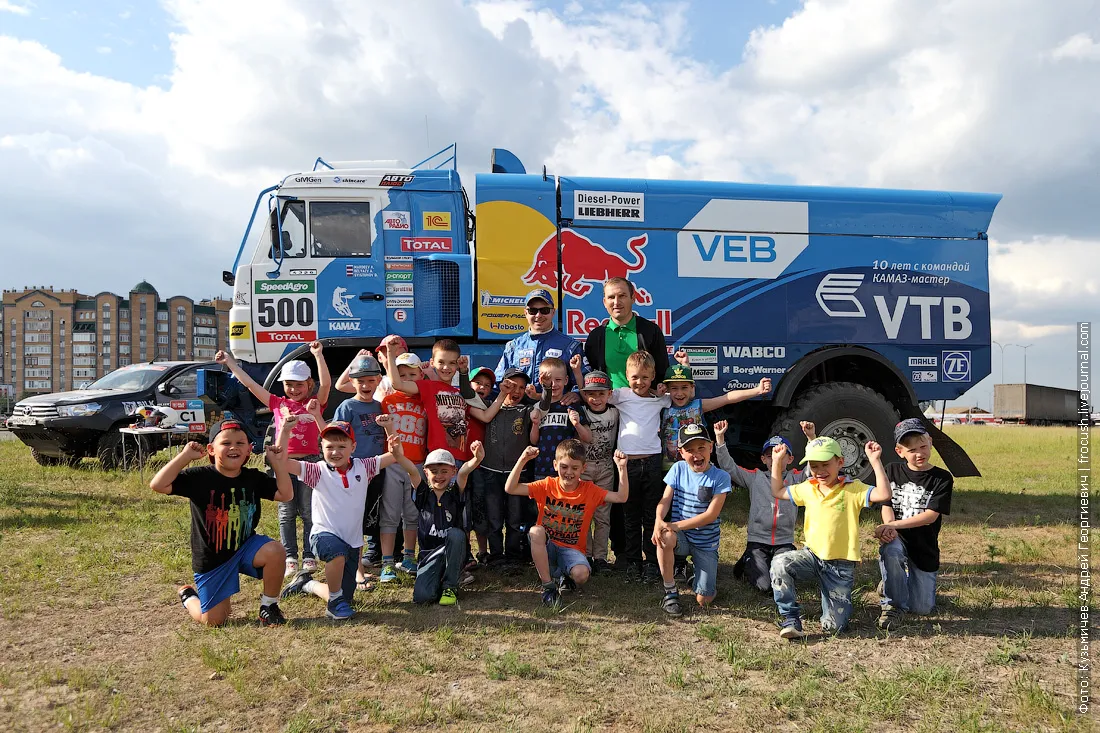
832,503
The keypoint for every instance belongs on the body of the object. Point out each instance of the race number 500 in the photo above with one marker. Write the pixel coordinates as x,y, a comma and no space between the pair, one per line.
285,312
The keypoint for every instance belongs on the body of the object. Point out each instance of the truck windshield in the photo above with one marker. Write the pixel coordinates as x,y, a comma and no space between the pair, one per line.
339,228
293,219
129,379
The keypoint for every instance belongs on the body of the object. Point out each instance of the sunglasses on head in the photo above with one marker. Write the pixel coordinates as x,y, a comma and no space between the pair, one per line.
544,311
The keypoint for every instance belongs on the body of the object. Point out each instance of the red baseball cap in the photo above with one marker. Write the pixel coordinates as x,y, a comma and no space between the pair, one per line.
340,426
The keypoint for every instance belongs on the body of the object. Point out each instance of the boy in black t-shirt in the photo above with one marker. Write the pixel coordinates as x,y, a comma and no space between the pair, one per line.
909,555
552,422
225,510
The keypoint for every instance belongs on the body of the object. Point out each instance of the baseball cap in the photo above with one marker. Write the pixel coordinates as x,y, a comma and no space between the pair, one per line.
513,372
365,366
224,425
339,426
909,426
402,347
691,432
679,373
409,359
596,380
822,449
440,457
774,441
294,371
484,372
540,293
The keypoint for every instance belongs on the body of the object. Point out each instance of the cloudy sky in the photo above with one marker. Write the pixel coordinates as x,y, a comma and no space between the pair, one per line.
135,135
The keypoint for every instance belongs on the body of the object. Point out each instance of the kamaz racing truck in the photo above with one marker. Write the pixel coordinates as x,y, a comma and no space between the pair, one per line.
859,304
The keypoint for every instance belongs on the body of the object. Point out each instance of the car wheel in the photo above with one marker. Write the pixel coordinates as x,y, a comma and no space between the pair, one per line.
43,460
110,452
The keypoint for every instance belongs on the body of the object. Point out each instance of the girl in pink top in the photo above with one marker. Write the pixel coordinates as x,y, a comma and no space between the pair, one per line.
299,387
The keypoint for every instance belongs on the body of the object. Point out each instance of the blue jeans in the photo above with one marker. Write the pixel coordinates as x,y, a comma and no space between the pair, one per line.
905,586
328,546
438,569
706,565
489,500
836,578
289,511
564,559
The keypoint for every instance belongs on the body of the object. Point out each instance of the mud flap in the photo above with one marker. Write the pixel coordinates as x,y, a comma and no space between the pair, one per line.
954,457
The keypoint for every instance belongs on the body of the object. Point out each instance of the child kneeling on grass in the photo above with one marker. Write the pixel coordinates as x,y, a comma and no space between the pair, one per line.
831,527
695,489
566,505
225,510
339,484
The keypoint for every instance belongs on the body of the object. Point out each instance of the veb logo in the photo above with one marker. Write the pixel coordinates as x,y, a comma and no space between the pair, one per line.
956,366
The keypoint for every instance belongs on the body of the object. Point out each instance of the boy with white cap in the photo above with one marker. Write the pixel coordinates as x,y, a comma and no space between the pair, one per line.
831,525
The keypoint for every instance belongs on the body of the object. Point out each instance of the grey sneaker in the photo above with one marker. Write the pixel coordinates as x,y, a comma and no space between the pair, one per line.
671,604
889,618
791,628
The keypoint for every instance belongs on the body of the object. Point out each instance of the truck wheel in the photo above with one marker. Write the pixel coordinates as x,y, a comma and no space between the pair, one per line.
850,413
43,460
110,452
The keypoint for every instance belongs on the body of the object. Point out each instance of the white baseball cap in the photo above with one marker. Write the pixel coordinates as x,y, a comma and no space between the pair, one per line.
409,359
440,457
294,371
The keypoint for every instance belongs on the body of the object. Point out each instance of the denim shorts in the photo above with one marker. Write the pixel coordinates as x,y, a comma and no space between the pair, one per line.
705,562
326,546
214,586
564,559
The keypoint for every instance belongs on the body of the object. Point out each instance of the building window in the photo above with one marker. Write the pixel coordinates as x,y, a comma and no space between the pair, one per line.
35,338
162,315
36,384
84,349
124,350
124,338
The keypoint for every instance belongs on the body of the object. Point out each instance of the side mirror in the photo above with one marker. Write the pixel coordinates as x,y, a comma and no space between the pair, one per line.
228,278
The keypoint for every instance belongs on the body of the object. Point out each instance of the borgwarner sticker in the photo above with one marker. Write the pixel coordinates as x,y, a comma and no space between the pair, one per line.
924,361
396,221
609,205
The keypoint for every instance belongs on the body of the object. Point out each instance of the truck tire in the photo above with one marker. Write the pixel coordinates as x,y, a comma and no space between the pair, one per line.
43,460
852,414
110,452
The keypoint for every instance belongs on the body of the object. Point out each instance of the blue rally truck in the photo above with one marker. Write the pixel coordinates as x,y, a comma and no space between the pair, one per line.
859,304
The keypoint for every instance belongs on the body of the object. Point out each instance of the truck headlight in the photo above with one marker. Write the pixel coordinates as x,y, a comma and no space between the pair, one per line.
81,410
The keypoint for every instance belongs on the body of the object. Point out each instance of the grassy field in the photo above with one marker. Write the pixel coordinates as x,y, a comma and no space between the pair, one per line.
92,636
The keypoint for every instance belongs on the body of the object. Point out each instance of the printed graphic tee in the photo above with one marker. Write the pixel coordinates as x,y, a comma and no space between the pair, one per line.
437,515
224,511
448,418
600,467
566,515
672,419
553,429
914,492
305,438
506,436
410,423
370,437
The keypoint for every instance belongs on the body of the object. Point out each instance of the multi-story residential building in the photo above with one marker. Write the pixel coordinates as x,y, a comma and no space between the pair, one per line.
55,340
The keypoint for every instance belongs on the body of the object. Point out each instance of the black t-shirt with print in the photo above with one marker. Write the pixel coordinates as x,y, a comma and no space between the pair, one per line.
553,429
437,515
224,511
914,492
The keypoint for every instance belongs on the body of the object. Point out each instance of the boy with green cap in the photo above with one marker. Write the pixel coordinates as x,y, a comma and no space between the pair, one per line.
831,525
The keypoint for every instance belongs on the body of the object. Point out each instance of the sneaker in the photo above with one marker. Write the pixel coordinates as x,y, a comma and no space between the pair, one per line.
407,566
340,610
671,604
566,583
680,572
291,567
601,566
271,615
889,618
370,561
880,589
185,592
296,587
448,598
483,559
309,565
791,628
551,596
470,563
389,575
465,580
633,573
651,573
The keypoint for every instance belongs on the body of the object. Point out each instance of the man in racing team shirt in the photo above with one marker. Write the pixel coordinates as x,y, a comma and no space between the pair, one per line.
542,340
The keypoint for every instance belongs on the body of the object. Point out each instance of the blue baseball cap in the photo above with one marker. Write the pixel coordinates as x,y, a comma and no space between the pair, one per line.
774,441
542,293
909,426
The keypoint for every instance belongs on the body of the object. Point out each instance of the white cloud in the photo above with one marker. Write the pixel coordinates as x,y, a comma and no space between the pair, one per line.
1079,46
10,7
103,50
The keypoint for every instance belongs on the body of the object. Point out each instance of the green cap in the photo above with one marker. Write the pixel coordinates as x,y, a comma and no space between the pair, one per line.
679,373
822,449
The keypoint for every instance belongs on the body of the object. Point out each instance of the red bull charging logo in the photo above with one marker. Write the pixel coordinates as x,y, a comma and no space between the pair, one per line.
585,264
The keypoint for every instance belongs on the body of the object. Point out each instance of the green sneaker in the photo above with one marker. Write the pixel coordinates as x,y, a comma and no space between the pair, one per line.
448,598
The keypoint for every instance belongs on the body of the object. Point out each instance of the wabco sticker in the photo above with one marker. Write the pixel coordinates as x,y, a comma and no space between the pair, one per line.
754,352
426,244
396,221
437,221
924,361
925,376
609,205
956,366
394,180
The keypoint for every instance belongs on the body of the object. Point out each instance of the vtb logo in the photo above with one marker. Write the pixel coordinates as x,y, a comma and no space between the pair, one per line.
437,221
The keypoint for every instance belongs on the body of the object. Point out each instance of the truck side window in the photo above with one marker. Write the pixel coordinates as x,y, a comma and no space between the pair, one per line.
339,228
294,230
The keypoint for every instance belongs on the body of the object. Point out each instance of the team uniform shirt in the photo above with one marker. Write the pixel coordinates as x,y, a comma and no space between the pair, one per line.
410,422
771,521
639,421
526,352
619,343
831,524
554,427
691,496
224,511
339,497
305,438
672,419
448,418
506,436
437,515
914,492
566,515
370,437
600,465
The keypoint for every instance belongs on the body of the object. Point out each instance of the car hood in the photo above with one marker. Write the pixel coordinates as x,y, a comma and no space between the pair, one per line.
78,396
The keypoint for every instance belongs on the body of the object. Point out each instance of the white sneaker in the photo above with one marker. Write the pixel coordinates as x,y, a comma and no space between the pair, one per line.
309,565
291,567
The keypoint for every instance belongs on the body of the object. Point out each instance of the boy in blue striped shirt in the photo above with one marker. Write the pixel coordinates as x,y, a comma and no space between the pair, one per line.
695,490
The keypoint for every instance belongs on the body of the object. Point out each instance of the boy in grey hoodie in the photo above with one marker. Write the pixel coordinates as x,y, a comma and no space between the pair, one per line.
771,521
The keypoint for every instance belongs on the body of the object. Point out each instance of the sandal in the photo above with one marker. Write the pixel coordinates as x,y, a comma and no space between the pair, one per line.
364,585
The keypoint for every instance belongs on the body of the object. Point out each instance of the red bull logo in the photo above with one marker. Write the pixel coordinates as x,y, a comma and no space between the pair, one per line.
584,264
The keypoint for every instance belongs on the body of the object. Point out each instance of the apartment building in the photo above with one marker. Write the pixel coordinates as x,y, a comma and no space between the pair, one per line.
55,340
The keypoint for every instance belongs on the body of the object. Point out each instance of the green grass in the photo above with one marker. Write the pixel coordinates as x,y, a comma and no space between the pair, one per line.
94,638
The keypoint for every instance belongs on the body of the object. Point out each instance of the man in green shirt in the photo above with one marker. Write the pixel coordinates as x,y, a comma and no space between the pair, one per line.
625,332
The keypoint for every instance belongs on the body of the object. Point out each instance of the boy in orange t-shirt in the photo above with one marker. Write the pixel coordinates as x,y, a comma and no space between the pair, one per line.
566,505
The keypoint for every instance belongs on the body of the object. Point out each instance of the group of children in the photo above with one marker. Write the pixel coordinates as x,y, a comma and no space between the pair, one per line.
543,467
